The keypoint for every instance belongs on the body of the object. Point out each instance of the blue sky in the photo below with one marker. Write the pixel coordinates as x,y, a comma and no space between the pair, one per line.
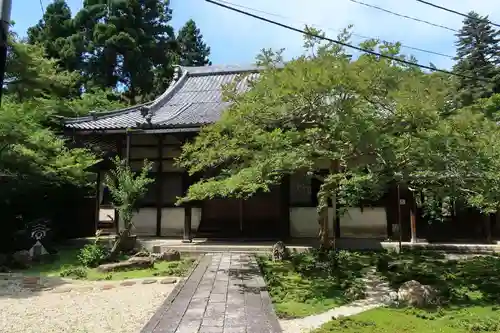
235,39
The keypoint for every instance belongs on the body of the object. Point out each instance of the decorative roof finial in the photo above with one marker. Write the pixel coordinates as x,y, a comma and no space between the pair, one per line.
144,110
177,72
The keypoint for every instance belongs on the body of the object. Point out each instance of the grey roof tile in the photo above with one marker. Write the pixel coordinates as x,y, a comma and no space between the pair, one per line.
195,99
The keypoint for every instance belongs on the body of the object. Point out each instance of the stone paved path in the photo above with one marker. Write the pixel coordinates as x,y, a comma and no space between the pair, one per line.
225,294
377,291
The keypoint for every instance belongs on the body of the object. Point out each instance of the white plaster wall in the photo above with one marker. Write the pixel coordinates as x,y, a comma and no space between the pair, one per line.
364,223
106,214
371,222
144,222
304,222
172,221
195,218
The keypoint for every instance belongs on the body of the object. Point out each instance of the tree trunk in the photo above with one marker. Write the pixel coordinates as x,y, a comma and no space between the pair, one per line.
334,206
117,246
324,232
334,168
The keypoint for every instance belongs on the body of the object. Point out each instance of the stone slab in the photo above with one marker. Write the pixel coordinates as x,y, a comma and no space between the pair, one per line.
225,293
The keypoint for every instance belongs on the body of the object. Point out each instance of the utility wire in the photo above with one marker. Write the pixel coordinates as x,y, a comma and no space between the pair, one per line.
333,30
308,33
404,16
455,12
42,8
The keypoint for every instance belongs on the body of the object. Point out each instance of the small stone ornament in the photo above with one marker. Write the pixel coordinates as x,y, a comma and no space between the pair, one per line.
280,251
38,231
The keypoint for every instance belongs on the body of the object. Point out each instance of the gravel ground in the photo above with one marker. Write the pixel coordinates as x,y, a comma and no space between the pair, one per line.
118,310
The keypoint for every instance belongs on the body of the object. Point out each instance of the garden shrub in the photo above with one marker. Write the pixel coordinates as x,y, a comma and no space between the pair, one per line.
74,272
479,324
355,290
351,324
382,262
92,255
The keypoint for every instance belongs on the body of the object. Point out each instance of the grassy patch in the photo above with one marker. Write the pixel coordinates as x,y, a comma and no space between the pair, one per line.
464,283
387,320
469,291
309,283
67,265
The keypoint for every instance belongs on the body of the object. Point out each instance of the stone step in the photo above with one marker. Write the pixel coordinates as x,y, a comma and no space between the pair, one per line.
212,249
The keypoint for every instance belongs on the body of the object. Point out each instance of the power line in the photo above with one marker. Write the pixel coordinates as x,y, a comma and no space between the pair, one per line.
307,33
41,7
404,16
326,28
454,11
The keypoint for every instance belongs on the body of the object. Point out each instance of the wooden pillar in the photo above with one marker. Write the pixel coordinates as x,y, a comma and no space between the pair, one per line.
119,148
127,148
400,224
241,216
285,208
187,235
159,186
413,219
97,200
336,216
487,225
388,214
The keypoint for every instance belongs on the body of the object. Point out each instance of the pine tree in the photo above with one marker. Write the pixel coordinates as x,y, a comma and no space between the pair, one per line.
128,40
126,44
56,32
193,51
478,58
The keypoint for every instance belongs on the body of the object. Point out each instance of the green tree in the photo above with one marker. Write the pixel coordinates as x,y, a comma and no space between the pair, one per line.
128,41
30,149
303,118
32,153
126,188
55,33
31,74
192,48
368,121
478,58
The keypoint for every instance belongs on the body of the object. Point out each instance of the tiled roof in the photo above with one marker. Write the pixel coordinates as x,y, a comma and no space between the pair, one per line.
193,100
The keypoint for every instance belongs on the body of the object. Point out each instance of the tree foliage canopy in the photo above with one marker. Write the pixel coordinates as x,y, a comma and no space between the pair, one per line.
193,50
478,59
33,152
367,121
128,45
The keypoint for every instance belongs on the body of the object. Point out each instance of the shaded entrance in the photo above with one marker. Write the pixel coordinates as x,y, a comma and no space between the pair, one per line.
258,217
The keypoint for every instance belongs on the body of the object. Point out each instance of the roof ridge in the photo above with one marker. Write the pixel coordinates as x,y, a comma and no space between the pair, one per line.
160,100
167,94
225,70
197,102
105,114
217,70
